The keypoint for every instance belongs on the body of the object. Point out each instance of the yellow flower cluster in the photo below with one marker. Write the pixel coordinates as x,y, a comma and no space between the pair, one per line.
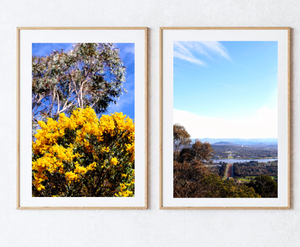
82,145
124,192
130,148
114,161
71,176
105,149
126,187
79,171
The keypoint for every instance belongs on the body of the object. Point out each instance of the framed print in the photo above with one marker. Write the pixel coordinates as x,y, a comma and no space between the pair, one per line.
82,118
225,118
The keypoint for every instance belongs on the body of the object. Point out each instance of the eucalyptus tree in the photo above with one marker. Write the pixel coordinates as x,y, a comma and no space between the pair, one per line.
181,138
90,74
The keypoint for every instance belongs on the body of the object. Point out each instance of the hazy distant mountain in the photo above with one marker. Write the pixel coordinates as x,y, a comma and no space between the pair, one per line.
224,143
240,141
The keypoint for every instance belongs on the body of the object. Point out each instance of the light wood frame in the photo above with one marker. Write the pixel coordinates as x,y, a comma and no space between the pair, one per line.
161,206
18,206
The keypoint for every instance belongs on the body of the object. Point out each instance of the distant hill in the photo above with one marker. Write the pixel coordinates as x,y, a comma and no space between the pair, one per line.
239,141
224,143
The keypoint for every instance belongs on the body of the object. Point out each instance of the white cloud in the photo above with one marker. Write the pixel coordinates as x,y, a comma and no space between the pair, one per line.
124,101
262,125
217,48
129,49
191,50
189,58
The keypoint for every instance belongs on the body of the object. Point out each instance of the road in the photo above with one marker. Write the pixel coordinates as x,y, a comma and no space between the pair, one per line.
229,171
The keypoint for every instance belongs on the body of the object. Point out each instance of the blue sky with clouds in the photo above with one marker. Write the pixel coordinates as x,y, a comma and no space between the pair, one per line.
232,84
127,50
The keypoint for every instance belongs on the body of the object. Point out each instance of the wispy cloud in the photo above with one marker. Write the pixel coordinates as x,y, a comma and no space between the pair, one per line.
182,51
195,51
129,49
125,103
125,47
216,47
189,58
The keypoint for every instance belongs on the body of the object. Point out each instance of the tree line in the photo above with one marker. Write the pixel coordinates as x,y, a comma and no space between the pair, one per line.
192,179
254,169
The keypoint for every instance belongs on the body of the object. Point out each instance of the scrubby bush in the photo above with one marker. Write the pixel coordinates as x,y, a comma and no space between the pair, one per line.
194,180
84,156
265,186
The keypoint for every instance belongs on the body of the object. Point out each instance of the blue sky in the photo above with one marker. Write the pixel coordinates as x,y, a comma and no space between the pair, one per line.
232,84
126,101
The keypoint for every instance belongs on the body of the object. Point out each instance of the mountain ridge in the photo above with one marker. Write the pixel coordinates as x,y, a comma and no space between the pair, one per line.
239,141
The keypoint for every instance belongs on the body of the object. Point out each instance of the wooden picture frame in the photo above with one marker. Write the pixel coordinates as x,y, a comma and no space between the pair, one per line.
137,36
169,35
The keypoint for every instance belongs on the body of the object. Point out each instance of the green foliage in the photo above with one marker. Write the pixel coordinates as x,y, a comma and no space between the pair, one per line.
254,168
192,179
216,187
90,74
199,151
181,138
195,181
265,186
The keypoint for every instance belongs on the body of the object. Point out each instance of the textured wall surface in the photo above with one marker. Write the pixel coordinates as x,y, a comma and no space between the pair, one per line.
151,227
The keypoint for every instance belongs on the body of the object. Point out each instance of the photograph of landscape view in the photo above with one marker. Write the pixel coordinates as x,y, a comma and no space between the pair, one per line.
225,119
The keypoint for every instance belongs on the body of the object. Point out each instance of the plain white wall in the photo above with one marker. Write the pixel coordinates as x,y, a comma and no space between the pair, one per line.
152,227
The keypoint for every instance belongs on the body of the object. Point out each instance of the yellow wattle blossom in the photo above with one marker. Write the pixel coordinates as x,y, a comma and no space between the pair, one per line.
105,149
80,169
71,176
124,192
80,148
114,161
92,166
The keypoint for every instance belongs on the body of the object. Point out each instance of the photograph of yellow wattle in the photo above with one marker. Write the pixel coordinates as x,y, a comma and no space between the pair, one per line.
83,133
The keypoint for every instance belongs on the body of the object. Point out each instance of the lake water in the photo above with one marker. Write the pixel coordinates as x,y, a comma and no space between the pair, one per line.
240,160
